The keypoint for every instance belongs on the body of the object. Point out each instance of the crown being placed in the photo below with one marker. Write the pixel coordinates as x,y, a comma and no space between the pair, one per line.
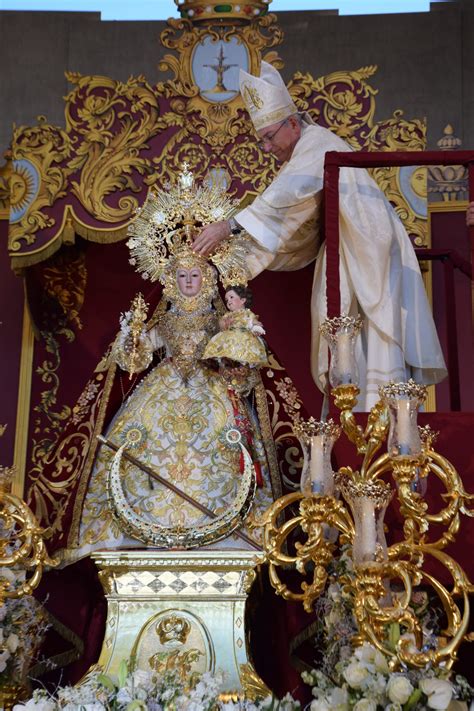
213,13
171,218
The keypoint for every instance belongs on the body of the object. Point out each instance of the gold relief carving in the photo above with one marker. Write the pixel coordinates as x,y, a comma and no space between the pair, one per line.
253,686
108,155
173,629
174,640
218,124
348,102
5,174
180,662
37,152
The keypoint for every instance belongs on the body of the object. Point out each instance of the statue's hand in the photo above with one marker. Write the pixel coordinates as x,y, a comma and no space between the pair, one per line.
210,236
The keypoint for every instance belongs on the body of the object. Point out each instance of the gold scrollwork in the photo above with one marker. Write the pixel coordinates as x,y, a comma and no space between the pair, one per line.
343,101
112,137
45,148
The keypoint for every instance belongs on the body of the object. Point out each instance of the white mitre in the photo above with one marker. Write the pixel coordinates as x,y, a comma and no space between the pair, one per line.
266,97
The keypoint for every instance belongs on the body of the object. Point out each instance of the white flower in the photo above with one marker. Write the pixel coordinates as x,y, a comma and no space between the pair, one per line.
380,661
399,689
438,691
365,705
339,699
12,642
393,707
355,674
36,704
320,705
334,592
142,678
407,642
365,653
8,575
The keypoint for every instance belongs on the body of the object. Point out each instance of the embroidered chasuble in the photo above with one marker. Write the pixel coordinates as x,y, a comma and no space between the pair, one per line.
379,272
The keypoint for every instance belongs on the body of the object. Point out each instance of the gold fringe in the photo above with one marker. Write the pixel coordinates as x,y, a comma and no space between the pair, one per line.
66,235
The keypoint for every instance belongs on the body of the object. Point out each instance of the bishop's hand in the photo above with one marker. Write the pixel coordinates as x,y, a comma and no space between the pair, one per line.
210,236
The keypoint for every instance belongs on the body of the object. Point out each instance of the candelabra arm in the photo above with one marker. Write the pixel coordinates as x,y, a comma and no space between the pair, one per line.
22,548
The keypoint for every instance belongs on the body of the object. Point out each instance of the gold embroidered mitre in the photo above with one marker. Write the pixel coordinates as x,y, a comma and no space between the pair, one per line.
266,98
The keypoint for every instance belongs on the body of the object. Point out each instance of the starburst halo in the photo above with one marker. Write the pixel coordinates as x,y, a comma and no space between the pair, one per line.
169,220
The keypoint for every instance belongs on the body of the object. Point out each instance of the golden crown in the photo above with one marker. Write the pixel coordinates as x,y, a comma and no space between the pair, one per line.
229,12
170,219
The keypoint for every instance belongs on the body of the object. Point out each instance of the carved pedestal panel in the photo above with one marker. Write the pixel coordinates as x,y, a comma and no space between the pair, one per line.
179,610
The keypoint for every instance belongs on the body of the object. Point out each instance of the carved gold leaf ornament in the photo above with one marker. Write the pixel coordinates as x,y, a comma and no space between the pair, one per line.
23,554
109,153
44,148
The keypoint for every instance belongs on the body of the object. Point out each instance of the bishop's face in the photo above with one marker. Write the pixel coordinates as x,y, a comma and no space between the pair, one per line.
280,138
189,280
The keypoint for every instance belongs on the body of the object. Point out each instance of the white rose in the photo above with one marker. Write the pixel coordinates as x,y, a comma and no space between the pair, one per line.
438,691
12,642
355,674
339,699
365,705
366,653
399,689
320,705
380,661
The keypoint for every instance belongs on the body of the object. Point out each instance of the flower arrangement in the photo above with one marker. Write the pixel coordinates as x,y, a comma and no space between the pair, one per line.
22,626
361,679
143,691
363,682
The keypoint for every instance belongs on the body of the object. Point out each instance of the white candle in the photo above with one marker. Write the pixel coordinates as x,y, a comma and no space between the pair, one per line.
403,426
344,355
317,464
368,537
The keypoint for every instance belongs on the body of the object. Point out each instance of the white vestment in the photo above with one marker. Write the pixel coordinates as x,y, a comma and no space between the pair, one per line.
379,272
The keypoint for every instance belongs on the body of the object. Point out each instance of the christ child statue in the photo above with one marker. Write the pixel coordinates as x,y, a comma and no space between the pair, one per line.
240,336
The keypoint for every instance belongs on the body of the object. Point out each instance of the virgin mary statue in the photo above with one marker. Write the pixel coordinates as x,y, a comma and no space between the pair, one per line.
183,462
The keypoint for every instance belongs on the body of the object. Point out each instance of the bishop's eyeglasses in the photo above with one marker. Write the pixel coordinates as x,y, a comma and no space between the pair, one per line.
268,139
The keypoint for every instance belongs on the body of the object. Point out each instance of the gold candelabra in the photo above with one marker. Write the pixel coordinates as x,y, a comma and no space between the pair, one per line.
23,554
304,530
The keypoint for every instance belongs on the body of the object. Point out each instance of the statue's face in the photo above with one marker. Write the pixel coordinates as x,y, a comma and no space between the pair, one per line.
189,280
233,301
